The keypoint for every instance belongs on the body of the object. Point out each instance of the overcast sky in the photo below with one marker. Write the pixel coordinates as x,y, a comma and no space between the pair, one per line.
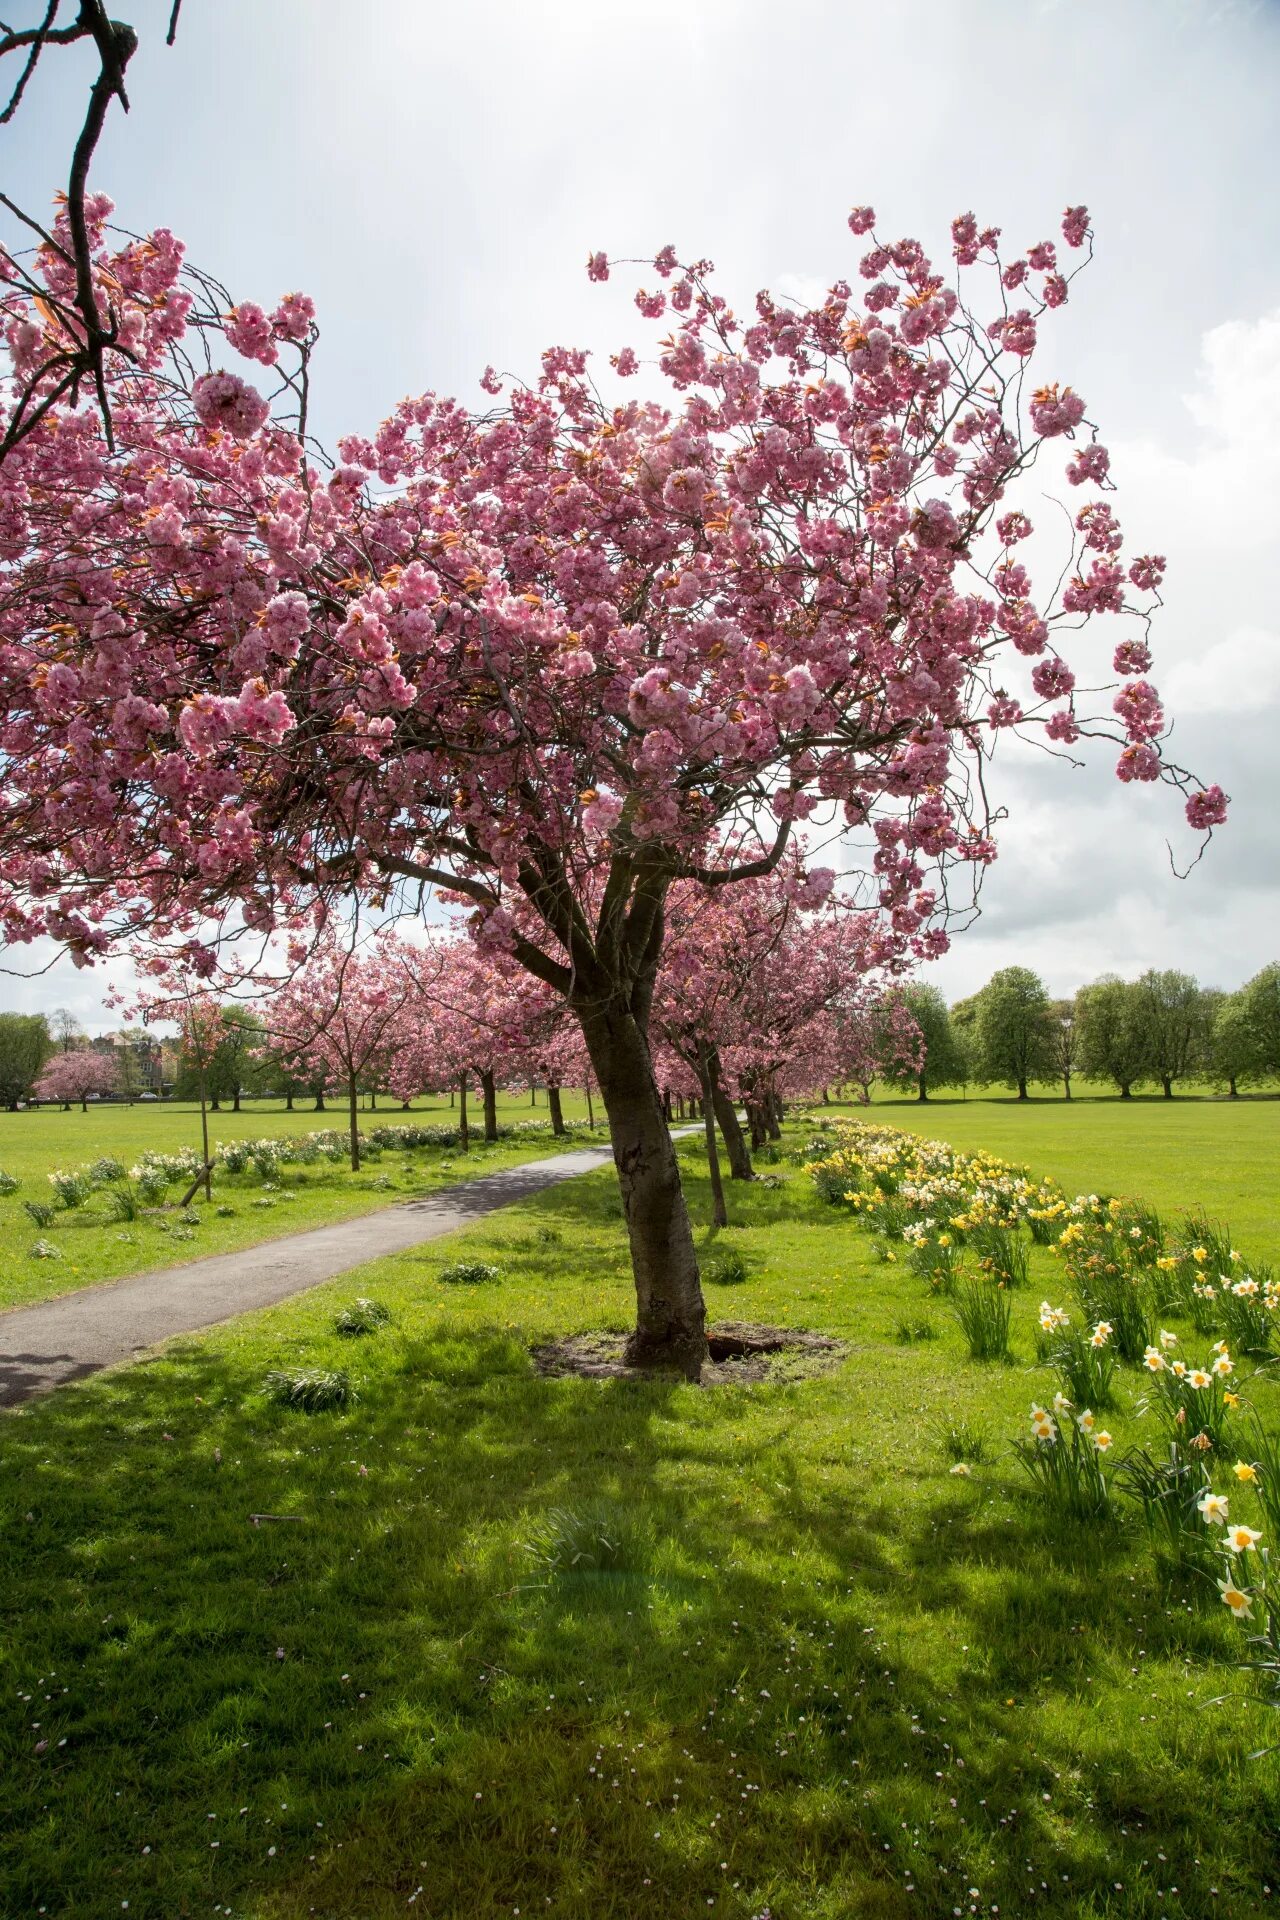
435,178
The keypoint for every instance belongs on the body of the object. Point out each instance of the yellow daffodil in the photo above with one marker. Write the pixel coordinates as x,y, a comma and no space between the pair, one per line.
1245,1472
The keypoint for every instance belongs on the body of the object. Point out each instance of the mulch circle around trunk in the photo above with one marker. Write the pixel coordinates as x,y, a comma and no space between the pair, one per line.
739,1351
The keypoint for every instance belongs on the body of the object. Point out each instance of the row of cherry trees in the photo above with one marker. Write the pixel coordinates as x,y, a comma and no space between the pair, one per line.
576,660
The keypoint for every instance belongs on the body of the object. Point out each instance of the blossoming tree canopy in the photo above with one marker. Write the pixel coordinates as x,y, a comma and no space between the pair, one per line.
549,654
80,1074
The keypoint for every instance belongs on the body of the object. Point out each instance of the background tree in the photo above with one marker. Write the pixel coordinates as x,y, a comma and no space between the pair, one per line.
1066,1041
1261,997
340,1014
943,1064
1111,1041
237,1064
78,1076
1015,1030
1230,1057
65,1030
1172,1025
25,1045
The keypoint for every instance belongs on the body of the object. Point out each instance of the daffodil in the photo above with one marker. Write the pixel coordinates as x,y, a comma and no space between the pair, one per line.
1212,1508
1222,1366
1199,1379
1102,1441
1167,1339
1232,1596
1242,1539
961,1469
1085,1421
1245,1472
1153,1359
1061,1404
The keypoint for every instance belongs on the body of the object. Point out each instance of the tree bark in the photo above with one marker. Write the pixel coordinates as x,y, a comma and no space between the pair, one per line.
464,1130
353,1122
1022,1090
922,1092
556,1111
719,1212
1167,1085
735,1141
591,1112
288,1103
1126,1090
1066,1085
671,1316
319,1106
490,1090
1232,1089
235,1101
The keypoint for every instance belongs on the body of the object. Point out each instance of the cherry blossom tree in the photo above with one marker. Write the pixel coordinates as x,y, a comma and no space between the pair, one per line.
77,1075
342,1014
552,656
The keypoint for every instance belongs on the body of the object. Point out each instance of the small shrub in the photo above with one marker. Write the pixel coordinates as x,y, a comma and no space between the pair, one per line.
727,1269
225,1213
123,1203
469,1273
234,1155
9,1183
983,1312
311,1390
45,1250
40,1212
548,1236
361,1317
107,1171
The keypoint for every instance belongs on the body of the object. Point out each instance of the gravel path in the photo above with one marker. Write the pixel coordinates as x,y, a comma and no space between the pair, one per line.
43,1346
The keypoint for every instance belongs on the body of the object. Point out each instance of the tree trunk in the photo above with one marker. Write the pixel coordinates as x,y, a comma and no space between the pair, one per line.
735,1142
1066,1086
84,1106
490,1090
464,1130
319,1106
1022,1090
214,1107
719,1212
826,1098
288,1103
666,1105
591,1112
1167,1084
1126,1090
353,1122
671,1316
922,1092
556,1111
1232,1089
235,1101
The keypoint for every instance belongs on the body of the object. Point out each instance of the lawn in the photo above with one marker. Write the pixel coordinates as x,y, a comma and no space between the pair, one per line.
246,1209
516,1645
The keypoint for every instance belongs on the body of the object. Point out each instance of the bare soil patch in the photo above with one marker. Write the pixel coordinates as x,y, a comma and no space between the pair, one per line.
740,1351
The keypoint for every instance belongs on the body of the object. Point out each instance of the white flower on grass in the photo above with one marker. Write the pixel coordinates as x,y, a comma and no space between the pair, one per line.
1242,1539
1213,1508
1085,1421
1061,1404
1154,1360
1199,1379
1238,1601
961,1468
1167,1339
1222,1366
1102,1441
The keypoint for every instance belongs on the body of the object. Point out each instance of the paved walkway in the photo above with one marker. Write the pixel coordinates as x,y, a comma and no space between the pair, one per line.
43,1346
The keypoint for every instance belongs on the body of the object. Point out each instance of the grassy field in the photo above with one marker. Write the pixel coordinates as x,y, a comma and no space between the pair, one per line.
602,1649
245,1209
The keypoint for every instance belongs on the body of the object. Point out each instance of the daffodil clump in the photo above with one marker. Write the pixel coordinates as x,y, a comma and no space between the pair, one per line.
958,1192
1083,1355
1067,1454
1195,1402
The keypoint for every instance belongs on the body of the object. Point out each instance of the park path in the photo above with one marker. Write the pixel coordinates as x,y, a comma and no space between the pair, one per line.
44,1346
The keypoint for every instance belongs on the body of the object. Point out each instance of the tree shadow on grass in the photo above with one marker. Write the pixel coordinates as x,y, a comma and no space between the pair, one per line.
430,1641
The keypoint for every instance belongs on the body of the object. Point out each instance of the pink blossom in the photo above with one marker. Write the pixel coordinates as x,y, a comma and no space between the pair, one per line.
1138,762
1054,412
598,266
626,362
1147,571
1054,291
294,318
1016,333
249,331
964,237
1207,808
1138,705
1091,463
602,812
862,219
1132,656
1052,679
224,402
490,381
1075,226
1004,711
1062,726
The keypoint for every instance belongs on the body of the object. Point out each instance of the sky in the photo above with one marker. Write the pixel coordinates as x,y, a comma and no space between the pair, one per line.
435,178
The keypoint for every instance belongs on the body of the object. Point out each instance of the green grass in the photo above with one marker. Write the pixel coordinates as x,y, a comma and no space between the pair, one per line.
244,1212
603,1649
